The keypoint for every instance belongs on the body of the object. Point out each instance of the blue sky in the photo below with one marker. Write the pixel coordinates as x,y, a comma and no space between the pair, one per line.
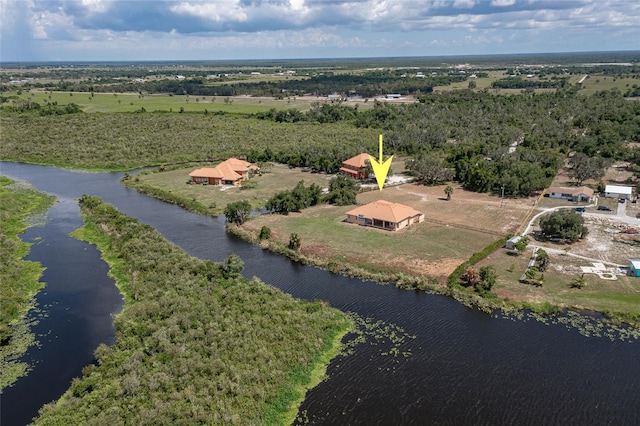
125,30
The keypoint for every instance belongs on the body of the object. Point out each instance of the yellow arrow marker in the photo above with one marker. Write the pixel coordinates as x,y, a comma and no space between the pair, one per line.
381,169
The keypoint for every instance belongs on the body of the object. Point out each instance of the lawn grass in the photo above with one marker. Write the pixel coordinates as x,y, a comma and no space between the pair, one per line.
273,178
426,249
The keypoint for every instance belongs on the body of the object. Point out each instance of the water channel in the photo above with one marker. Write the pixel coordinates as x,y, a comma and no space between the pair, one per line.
456,366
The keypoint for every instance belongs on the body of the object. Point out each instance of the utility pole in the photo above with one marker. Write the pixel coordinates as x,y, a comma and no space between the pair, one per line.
502,200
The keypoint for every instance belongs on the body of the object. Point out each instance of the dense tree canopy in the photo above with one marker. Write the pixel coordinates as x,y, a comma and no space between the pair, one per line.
564,224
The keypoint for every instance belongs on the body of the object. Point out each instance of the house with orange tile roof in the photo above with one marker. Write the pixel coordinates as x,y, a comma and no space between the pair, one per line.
385,215
229,172
355,166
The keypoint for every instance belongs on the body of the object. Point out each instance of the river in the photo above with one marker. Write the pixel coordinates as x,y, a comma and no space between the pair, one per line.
455,365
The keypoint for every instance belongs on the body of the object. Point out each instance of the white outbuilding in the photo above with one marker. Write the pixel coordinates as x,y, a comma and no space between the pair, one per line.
615,191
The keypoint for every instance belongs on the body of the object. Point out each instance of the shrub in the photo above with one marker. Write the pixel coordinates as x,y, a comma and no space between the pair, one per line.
265,233
294,241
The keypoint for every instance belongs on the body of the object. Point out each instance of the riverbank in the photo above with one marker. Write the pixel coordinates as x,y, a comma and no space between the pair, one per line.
196,342
553,297
19,203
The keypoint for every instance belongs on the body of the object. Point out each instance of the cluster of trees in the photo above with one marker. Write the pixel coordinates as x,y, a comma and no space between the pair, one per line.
49,108
564,224
196,342
520,83
342,191
480,279
584,167
367,84
296,199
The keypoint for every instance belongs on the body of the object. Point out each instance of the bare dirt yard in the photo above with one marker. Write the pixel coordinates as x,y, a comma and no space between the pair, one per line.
465,209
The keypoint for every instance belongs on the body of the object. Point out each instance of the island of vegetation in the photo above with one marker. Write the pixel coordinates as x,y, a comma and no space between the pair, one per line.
18,277
196,343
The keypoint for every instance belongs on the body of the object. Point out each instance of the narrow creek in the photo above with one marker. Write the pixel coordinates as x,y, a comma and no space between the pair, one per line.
448,364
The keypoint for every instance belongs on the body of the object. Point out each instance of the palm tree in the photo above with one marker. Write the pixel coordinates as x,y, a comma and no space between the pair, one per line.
448,190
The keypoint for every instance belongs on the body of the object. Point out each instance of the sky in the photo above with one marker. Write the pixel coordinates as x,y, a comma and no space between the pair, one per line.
149,30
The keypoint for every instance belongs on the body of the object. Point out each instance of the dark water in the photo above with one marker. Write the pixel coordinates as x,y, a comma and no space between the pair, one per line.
464,367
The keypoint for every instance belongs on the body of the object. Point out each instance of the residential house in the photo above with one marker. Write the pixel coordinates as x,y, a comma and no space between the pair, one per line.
385,215
356,166
615,191
229,172
634,267
581,193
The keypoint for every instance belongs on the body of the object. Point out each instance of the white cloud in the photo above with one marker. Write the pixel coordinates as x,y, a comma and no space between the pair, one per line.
502,3
207,27
220,11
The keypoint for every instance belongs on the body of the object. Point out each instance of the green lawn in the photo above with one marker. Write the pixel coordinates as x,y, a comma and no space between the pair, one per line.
425,249
275,178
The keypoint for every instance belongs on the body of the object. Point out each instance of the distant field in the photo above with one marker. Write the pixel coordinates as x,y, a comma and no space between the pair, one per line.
132,102
597,83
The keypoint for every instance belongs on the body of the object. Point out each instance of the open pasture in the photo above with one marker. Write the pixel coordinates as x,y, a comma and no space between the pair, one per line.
134,102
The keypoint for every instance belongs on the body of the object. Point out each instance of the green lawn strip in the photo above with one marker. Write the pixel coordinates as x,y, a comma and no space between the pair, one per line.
19,279
198,344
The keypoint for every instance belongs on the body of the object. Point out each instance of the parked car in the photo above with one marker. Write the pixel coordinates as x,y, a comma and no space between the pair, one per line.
622,200
579,209
605,208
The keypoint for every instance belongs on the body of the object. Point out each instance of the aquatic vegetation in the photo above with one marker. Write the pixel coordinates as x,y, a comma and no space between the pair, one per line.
19,203
196,342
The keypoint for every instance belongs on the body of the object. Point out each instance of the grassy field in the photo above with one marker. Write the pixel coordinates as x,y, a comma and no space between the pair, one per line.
432,249
275,178
621,295
597,83
132,102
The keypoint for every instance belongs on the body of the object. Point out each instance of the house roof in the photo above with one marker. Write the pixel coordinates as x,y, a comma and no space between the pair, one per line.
227,170
240,165
357,161
635,263
618,189
385,210
580,190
